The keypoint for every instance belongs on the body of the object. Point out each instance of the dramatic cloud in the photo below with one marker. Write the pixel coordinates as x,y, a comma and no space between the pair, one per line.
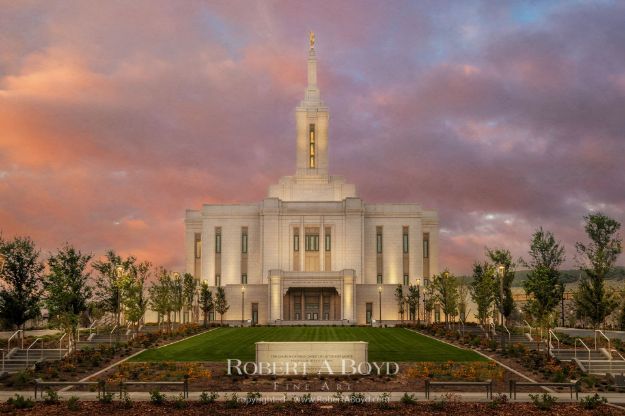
117,116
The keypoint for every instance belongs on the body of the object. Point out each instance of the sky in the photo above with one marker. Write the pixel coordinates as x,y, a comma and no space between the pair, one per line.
116,116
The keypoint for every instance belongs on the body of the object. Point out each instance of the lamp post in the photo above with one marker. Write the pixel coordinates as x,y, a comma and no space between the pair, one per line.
380,303
500,271
426,314
562,288
242,304
418,301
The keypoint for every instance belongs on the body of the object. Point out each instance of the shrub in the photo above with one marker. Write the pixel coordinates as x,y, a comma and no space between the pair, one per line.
253,397
232,402
543,401
385,401
125,401
73,403
50,397
207,398
20,402
157,398
357,398
408,399
180,402
592,402
105,398
497,400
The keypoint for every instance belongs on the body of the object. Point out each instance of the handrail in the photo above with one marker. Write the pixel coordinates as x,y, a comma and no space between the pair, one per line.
492,325
13,336
30,346
61,345
586,346
111,334
551,333
530,327
509,335
618,353
601,332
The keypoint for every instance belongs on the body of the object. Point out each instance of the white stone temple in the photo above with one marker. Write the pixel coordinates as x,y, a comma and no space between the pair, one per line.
312,251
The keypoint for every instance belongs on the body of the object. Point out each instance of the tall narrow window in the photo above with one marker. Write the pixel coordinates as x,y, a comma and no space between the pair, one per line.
244,279
218,240
406,280
328,240
426,248
378,239
244,240
311,145
198,245
379,279
405,240
217,280
296,239
312,242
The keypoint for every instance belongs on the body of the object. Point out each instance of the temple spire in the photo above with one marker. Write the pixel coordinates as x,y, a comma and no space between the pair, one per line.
312,91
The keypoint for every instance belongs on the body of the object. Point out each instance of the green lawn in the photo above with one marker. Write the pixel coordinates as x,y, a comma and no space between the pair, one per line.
385,344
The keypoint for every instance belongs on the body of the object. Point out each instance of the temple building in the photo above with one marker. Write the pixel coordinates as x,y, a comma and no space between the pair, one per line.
312,251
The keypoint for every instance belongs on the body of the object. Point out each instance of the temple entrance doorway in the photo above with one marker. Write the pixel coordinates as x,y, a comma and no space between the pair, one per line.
311,304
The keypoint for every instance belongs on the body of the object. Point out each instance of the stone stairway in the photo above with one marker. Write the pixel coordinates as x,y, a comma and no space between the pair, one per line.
104,338
21,359
569,354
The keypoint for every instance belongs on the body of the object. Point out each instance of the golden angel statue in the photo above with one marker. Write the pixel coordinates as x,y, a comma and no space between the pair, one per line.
312,40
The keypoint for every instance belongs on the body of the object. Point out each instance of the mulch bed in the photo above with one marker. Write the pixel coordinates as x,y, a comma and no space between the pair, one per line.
455,408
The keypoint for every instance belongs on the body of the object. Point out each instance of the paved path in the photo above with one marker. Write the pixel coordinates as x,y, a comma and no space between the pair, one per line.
324,396
30,333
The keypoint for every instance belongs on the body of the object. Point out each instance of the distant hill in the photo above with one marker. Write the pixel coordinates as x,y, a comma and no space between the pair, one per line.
569,276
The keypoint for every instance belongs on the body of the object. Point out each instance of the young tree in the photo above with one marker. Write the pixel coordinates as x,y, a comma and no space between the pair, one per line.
188,293
463,299
177,293
543,280
429,301
412,299
401,301
20,292
505,303
161,299
598,257
446,292
221,304
113,271
67,290
135,301
206,301
482,290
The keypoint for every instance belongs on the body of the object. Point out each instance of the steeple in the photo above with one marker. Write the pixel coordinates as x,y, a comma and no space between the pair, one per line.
311,119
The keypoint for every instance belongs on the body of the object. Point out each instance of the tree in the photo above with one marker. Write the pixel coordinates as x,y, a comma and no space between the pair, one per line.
542,286
188,293
412,299
482,290
429,300
505,303
463,299
67,290
401,301
446,292
221,304
598,257
110,281
177,293
161,300
21,290
206,301
135,302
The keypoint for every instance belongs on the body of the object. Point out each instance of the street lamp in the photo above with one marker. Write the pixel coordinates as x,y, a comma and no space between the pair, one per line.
562,289
418,301
242,304
380,302
119,273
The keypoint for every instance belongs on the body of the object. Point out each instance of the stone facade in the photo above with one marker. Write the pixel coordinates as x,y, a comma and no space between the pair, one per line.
312,250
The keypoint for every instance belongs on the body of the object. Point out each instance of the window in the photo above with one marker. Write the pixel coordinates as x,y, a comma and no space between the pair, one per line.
328,241
379,279
244,240
406,280
296,239
198,245
426,249
244,279
311,144
405,240
217,280
379,242
218,240
312,242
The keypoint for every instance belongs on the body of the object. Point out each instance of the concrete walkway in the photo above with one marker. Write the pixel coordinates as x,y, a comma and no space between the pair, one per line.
575,332
323,396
